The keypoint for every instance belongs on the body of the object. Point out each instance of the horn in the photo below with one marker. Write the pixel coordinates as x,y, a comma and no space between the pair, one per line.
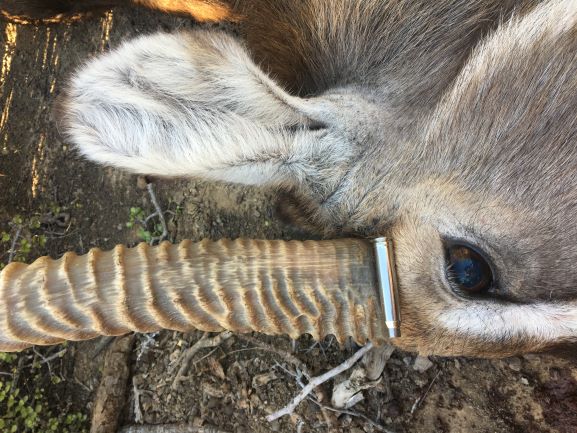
273,287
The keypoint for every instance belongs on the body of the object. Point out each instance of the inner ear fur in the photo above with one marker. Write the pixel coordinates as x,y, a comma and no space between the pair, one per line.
190,104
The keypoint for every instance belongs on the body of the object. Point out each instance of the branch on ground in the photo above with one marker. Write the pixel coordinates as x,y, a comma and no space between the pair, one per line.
186,357
318,380
110,397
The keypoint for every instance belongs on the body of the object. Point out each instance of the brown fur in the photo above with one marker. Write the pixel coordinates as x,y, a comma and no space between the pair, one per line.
466,129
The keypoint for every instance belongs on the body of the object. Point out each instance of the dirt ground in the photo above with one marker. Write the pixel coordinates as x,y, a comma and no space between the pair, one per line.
52,201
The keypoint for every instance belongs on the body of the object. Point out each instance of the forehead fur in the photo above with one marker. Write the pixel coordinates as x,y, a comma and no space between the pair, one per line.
507,131
509,123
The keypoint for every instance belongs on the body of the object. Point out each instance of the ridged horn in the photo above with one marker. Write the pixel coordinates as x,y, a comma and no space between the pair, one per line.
274,287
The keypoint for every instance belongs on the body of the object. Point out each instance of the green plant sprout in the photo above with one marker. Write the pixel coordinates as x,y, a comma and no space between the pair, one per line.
31,413
21,238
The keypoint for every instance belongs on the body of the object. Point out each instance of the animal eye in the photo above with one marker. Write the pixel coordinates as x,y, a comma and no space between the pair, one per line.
467,270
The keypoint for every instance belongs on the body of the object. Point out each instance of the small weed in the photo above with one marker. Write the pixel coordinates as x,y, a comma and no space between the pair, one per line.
146,228
30,412
149,228
21,238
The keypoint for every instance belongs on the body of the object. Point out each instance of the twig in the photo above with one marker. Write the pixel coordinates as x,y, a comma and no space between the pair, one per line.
318,380
169,428
422,398
187,356
282,353
46,360
49,358
13,245
321,346
297,375
137,393
300,367
246,349
205,356
300,425
149,341
18,370
160,213
351,413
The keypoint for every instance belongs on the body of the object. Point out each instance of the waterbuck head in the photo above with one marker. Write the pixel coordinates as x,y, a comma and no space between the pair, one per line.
403,119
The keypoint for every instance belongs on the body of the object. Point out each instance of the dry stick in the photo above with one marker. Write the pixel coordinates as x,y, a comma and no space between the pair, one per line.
287,357
298,364
205,356
320,394
351,413
187,356
110,397
13,246
300,424
169,428
422,398
149,341
318,380
137,411
46,359
160,214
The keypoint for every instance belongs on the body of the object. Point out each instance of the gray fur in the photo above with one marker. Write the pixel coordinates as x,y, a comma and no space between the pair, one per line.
413,119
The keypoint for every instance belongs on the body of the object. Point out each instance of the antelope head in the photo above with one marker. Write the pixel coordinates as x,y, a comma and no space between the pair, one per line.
468,165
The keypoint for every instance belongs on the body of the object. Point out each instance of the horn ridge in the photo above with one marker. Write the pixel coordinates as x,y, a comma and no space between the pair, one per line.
274,287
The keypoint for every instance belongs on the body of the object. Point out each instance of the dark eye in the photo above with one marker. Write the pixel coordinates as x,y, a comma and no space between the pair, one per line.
467,270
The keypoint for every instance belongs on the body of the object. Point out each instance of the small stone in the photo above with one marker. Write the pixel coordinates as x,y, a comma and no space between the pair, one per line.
376,359
525,381
141,182
215,368
422,364
346,421
514,364
174,355
262,379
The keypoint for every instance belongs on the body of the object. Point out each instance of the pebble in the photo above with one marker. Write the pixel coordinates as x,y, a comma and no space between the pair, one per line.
514,364
422,364
141,182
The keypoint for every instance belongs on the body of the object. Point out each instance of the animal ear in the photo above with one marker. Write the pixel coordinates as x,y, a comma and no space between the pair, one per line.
193,104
